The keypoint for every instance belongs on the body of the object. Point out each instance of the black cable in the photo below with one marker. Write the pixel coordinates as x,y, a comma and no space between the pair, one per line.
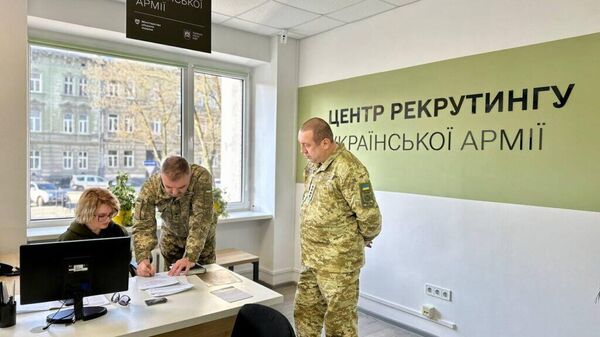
597,297
52,319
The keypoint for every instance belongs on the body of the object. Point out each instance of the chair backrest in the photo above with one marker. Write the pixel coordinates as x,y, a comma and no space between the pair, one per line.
257,320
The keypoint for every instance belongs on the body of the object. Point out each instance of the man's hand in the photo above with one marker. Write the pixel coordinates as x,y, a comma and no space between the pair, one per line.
369,243
181,265
145,268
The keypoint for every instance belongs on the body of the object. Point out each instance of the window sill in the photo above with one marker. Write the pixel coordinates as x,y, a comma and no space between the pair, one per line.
52,232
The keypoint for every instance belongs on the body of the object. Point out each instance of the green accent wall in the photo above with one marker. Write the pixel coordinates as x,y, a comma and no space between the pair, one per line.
560,169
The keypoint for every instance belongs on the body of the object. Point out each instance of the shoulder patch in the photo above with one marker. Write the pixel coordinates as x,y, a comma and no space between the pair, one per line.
367,198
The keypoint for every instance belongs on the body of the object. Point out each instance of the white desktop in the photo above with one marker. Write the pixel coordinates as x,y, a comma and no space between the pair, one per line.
194,311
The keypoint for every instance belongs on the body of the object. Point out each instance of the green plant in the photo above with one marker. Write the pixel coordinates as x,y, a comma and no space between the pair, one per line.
124,193
219,203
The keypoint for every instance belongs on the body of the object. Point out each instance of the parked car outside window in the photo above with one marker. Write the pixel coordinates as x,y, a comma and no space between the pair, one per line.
44,193
80,182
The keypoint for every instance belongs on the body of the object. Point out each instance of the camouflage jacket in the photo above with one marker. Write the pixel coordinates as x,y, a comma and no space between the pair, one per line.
338,214
189,216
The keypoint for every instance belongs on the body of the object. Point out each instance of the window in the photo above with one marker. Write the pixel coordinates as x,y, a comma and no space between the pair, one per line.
82,160
129,125
67,160
83,86
68,123
112,159
126,109
35,82
35,160
83,124
113,88
35,121
128,159
156,127
68,87
113,122
218,118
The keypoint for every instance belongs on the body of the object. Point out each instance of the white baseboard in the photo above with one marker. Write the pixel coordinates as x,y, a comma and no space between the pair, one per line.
392,311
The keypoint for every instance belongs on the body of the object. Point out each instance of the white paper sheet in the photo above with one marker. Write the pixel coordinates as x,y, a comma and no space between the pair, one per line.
231,294
156,281
169,290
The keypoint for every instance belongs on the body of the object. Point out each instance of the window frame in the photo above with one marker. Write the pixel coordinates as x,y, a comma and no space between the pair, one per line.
188,65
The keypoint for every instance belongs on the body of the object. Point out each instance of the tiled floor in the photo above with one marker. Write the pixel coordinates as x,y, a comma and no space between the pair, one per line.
368,326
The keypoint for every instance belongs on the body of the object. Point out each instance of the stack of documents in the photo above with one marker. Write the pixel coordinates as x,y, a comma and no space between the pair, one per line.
161,284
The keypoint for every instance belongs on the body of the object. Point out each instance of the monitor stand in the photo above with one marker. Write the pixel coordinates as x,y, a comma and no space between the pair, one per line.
78,313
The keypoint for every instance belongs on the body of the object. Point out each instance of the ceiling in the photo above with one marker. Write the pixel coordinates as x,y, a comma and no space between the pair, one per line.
299,18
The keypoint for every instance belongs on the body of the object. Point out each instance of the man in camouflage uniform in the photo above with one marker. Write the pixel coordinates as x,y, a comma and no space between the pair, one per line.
338,218
183,196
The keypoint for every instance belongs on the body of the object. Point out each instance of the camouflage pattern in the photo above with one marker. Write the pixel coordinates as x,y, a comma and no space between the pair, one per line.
188,228
326,297
338,214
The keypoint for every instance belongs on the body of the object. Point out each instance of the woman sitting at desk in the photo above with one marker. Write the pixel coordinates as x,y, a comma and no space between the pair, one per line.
93,217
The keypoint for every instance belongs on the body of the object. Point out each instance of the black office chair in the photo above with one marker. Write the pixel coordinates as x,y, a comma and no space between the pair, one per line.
257,320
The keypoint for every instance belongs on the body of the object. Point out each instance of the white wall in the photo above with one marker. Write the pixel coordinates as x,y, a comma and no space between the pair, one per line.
273,151
514,270
13,114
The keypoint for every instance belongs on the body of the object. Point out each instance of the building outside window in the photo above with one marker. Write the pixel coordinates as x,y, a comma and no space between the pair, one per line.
67,160
82,86
83,124
128,159
113,122
35,160
112,159
68,87
129,125
113,88
35,121
35,82
82,160
150,105
68,123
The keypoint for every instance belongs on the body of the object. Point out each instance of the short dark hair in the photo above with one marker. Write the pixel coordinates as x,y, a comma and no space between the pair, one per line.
175,167
321,130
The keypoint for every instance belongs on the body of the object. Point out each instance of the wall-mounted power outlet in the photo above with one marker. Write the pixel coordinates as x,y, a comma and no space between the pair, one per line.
439,292
428,311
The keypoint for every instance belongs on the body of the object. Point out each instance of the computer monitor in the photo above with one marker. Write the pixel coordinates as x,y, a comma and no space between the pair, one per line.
72,270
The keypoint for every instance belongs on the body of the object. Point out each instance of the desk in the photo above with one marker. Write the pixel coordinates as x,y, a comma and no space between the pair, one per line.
195,312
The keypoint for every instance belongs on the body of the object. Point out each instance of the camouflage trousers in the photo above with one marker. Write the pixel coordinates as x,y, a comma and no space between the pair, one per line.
326,297
172,248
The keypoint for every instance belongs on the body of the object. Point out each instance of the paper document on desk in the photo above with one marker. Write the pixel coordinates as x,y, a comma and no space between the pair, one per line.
156,281
219,277
169,290
97,300
231,294
162,284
